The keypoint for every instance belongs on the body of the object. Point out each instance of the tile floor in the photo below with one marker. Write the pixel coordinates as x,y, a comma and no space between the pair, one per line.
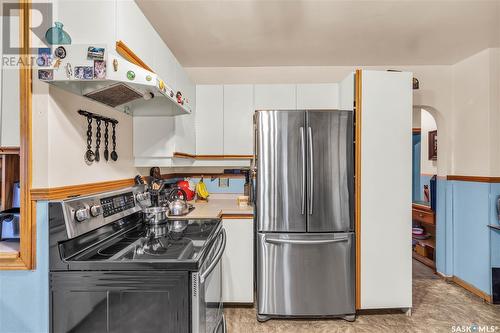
437,306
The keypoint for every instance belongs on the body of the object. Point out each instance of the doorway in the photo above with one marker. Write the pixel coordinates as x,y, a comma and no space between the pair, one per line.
424,182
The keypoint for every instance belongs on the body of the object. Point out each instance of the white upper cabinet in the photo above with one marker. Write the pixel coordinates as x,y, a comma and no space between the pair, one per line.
154,137
209,120
275,96
318,96
346,93
238,124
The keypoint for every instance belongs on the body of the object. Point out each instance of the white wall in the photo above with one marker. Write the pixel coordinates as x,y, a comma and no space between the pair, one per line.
427,124
475,121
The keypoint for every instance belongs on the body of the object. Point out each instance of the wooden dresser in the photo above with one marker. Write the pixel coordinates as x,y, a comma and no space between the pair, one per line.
424,249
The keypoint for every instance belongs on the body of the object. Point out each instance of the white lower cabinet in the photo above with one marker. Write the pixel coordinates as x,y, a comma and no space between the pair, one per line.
237,261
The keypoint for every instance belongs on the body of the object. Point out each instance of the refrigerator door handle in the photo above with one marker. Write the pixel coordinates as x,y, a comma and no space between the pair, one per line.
303,173
305,242
311,170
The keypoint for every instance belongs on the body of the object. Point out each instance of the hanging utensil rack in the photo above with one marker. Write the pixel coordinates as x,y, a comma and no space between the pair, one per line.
97,116
94,156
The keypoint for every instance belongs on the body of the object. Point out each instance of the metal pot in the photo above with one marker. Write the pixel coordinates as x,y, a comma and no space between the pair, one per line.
155,215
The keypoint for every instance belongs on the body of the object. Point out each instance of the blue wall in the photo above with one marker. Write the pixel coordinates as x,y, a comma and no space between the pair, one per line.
416,167
466,247
471,245
235,185
24,295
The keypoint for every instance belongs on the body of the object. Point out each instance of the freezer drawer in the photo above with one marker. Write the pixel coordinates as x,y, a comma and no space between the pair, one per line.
305,274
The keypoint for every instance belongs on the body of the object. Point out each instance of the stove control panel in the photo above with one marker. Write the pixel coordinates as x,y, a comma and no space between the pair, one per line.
86,213
117,203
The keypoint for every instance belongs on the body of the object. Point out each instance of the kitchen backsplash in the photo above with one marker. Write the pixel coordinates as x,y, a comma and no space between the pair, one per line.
235,185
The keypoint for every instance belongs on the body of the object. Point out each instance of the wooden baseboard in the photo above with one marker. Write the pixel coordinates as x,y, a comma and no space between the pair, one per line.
472,289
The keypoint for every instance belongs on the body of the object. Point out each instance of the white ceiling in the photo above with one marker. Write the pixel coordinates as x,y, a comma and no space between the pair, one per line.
312,33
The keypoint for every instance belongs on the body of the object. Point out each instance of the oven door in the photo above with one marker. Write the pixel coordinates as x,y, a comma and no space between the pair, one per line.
206,291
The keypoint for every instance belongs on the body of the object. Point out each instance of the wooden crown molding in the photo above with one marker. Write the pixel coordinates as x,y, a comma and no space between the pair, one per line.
480,179
128,54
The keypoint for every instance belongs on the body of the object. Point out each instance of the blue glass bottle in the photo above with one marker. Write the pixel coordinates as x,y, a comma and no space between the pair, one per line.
56,35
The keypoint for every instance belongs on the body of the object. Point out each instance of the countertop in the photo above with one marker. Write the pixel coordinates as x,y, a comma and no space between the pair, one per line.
217,206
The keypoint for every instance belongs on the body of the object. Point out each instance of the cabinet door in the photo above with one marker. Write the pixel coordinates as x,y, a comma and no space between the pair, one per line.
238,124
209,120
10,104
346,93
275,96
386,122
237,261
318,96
154,137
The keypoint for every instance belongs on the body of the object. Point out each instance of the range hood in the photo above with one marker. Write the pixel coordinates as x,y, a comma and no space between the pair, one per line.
93,71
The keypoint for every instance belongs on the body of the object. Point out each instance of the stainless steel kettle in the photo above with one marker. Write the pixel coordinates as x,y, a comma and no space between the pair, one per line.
177,204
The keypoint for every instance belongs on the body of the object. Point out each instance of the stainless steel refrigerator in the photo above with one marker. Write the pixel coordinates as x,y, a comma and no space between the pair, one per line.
304,206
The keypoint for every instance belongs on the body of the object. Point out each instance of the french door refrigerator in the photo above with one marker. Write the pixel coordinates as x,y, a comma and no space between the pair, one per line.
304,214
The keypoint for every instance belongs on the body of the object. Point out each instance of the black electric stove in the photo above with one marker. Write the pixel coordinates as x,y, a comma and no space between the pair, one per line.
112,272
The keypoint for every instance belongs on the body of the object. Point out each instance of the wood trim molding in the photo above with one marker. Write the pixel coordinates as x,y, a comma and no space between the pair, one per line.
63,192
422,207
480,179
26,258
472,289
212,157
123,50
357,183
236,216
204,174
9,150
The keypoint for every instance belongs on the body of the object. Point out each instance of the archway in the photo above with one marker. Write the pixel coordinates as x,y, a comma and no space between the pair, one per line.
429,171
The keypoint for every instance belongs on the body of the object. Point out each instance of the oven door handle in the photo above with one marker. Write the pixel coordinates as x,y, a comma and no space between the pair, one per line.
218,256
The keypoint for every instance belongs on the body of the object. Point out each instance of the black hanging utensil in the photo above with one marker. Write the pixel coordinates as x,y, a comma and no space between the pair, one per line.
97,140
114,155
89,154
106,140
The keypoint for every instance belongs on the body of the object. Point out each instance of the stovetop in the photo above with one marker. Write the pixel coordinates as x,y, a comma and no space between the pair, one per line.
145,243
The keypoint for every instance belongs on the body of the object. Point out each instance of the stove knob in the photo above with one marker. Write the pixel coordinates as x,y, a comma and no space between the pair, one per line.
82,214
95,210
